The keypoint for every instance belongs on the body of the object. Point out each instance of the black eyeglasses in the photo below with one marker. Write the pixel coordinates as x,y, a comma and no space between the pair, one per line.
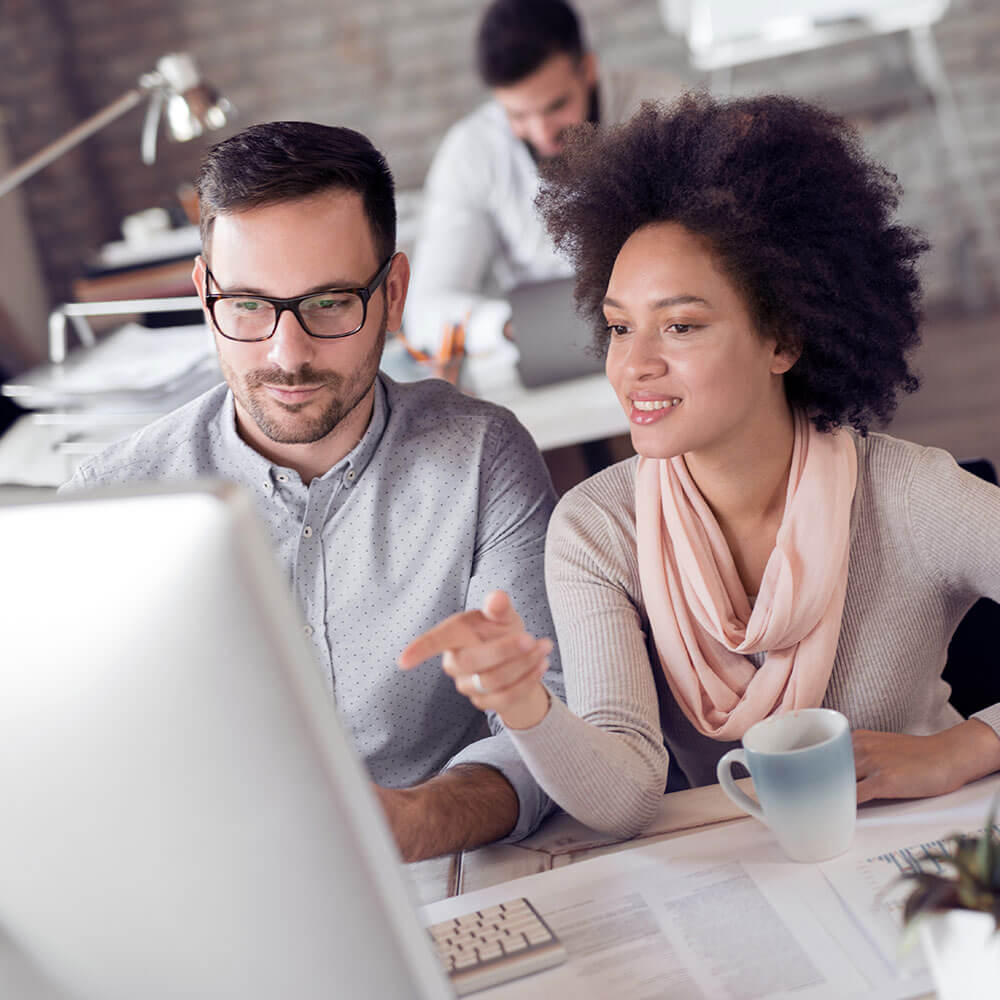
327,315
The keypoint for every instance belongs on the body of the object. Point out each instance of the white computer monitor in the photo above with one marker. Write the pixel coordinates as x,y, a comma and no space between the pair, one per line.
182,814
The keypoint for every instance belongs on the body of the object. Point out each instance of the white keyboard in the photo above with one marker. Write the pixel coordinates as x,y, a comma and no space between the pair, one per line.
490,946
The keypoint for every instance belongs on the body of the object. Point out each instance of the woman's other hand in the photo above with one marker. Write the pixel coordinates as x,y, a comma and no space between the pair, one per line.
492,660
896,766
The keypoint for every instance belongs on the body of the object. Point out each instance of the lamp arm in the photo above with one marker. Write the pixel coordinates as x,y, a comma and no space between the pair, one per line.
72,138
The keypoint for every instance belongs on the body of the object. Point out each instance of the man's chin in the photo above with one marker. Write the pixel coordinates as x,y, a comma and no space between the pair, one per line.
538,156
297,434
289,426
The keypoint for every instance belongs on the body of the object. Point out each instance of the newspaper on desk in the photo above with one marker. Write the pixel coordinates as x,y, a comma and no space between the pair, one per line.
131,365
101,394
721,915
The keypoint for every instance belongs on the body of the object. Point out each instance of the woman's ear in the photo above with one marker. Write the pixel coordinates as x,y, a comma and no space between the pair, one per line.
785,356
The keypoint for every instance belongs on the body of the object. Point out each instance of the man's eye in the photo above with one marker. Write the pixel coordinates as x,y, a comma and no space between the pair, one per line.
327,302
246,305
680,327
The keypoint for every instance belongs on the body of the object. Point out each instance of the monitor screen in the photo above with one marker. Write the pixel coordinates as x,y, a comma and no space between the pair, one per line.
183,814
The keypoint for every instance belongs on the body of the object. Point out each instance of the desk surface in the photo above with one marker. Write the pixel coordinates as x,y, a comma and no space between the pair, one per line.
563,841
563,413
839,898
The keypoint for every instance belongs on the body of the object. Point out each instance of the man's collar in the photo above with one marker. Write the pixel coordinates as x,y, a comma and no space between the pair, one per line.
263,469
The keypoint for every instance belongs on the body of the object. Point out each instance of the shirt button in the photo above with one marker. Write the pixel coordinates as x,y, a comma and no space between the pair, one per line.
307,629
265,486
307,531
282,478
350,474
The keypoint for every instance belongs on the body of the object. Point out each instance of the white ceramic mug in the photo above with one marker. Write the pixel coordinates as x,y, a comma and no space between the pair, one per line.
802,766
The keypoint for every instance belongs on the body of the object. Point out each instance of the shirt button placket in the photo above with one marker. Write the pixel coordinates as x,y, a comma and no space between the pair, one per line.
310,560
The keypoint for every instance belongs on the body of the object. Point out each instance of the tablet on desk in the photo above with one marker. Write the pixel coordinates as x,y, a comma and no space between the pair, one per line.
554,342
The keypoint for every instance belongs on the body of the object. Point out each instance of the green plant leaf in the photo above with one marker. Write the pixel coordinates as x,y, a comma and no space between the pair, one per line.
971,880
932,892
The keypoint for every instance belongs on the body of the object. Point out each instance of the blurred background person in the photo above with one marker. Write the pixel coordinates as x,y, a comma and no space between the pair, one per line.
479,229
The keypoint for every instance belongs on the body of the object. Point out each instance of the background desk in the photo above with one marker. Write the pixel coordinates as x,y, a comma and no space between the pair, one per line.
42,450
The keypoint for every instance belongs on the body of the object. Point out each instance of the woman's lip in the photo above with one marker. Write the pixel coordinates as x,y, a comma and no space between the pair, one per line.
645,417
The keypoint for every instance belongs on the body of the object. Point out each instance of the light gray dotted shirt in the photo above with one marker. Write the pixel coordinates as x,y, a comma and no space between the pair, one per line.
444,499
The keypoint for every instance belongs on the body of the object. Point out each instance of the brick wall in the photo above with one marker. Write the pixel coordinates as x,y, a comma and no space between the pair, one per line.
401,70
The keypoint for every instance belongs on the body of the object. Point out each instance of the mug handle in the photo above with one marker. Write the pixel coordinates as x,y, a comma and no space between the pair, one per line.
724,772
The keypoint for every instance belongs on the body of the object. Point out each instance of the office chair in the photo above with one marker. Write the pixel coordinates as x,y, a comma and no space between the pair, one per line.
973,661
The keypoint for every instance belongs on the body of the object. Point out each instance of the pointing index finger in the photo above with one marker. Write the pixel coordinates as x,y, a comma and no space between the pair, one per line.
455,632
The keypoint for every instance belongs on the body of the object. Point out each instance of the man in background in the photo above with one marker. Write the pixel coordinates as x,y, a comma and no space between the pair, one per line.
479,229
389,507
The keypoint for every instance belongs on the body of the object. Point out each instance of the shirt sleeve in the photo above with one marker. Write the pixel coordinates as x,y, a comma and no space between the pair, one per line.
602,758
456,245
76,483
516,499
955,522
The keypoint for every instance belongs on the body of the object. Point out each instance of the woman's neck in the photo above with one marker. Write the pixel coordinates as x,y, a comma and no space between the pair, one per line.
744,478
745,483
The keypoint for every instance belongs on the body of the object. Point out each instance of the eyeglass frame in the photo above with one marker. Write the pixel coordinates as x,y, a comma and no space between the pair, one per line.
292,305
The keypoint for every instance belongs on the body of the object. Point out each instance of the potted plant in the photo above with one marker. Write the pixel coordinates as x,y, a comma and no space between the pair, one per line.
956,913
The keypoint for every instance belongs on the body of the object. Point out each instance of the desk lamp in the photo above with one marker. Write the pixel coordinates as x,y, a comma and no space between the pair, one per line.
175,85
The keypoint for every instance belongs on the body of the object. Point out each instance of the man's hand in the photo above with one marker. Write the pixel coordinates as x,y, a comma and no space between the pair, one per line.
459,809
491,659
895,766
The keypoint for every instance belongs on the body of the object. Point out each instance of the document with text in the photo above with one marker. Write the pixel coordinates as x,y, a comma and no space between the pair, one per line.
721,915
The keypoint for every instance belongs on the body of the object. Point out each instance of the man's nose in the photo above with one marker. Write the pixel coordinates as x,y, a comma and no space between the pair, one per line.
290,346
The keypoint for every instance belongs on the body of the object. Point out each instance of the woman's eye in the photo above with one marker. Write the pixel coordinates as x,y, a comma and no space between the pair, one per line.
680,328
616,329
246,305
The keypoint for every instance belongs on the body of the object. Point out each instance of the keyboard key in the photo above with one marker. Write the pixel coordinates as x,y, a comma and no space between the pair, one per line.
493,945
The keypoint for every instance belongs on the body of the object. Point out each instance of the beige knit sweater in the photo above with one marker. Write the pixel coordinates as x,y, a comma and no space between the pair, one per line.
925,545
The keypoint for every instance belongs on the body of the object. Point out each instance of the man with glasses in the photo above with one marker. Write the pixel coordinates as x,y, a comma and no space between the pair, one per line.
479,234
389,506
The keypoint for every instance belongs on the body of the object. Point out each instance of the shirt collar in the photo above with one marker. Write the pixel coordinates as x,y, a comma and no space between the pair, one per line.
260,468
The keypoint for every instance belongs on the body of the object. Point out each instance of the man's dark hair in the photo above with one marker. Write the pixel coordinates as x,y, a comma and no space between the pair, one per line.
285,161
792,210
517,36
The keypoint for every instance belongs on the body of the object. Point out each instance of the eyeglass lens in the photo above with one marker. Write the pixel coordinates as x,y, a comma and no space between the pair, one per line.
328,314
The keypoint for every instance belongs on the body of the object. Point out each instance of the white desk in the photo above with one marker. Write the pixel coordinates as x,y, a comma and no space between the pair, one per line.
564,413
563,841
480,878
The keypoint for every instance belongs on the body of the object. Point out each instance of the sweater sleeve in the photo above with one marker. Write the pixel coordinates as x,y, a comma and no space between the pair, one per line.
955,521
602,759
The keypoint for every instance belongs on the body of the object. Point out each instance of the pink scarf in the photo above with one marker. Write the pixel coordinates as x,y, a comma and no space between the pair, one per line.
702,623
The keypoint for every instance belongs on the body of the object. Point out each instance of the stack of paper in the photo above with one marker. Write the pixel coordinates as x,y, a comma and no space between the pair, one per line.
101,394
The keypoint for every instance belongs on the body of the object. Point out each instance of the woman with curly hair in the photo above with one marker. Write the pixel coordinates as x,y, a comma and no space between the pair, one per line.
763,552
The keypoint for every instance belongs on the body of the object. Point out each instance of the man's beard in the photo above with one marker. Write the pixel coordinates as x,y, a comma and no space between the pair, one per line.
278,421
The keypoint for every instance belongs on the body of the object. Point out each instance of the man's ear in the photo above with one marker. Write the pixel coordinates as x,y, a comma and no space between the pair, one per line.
397,281
200,279
588,67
